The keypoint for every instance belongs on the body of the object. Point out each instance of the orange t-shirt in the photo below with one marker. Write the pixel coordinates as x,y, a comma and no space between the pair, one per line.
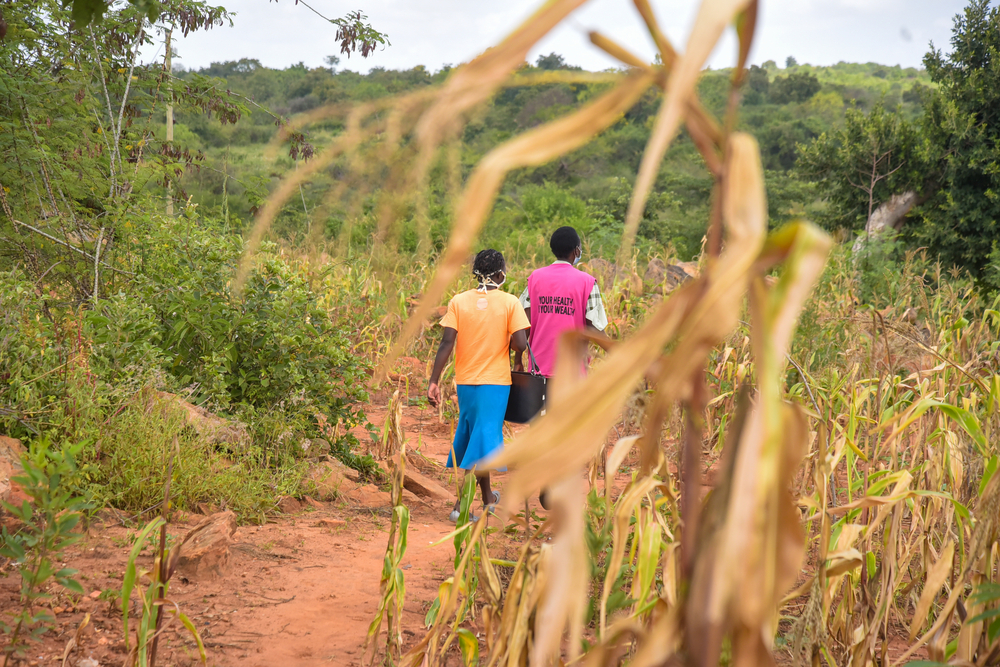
485,322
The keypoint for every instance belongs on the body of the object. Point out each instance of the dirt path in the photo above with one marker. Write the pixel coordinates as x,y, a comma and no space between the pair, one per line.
300,590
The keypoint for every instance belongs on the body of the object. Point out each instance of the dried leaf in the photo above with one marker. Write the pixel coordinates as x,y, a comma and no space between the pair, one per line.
937,575
713,16
531,148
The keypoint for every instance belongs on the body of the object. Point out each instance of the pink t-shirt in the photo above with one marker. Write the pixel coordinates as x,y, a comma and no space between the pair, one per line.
558,295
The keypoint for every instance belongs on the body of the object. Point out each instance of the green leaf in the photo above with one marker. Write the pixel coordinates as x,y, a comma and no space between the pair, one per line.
470,647
985,593
86,11
194,633
131,573
988,472
12,548
989,613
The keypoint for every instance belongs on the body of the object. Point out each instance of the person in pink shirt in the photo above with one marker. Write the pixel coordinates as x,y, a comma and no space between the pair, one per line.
560,297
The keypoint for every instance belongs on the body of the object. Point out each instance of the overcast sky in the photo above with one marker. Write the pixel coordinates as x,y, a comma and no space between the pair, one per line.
438,32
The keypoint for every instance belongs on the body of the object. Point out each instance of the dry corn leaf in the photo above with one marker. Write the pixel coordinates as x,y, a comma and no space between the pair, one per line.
624,510
745,567
936,577
619,452
531,148
697,315
713,16
842,562
475,82
564,600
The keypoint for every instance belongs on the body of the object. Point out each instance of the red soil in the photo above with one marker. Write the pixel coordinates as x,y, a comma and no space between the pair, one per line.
296,592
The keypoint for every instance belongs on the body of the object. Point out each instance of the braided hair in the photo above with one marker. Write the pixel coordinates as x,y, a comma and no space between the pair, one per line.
487,264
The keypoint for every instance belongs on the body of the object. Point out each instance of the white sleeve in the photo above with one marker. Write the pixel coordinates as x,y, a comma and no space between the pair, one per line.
595,309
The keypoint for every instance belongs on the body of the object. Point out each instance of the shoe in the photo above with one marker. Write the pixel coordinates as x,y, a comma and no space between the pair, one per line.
453,517
491,508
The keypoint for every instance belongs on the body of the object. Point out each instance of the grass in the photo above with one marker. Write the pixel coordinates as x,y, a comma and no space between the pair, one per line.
132,461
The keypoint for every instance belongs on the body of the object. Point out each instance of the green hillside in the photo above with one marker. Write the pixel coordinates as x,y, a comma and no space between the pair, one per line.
782,107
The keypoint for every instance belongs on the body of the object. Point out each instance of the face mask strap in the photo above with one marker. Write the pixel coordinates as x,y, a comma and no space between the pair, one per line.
487,281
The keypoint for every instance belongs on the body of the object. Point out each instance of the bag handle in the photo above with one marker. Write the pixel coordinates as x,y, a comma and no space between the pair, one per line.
535,368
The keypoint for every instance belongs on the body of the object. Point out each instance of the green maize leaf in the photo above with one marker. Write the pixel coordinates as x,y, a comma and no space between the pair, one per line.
649,557
989,613
186,622
131,574
432,613
988,472
962,510
985,593
470,647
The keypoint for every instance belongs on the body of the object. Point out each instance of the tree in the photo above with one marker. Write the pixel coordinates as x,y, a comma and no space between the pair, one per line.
946,173
796,87
861,165
757,85
962,119
553,61
79,140
790,61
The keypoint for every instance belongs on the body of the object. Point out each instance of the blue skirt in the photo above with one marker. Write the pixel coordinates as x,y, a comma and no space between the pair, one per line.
479,434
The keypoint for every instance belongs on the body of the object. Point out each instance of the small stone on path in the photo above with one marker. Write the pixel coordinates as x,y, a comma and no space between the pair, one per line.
205,550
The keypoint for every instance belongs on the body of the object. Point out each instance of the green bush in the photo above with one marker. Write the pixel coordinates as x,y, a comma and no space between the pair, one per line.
46,385
270,356
269,348
139,444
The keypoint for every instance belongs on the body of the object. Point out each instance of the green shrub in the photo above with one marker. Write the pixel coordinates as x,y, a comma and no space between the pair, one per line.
272,347
139,443
50,479
271,357
46,384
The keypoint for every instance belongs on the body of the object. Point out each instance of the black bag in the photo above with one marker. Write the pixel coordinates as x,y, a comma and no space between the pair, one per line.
527,394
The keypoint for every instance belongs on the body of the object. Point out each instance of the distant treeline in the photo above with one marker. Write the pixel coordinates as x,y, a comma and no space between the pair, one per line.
782,107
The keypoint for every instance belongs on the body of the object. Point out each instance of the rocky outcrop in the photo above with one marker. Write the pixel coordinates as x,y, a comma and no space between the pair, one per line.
889,216
661,276
214,429
369,496
204,553
289,505
424,487
11,450
330,480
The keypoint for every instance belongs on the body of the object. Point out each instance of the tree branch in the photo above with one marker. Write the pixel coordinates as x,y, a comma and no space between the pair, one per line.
70,246
128,87
111,118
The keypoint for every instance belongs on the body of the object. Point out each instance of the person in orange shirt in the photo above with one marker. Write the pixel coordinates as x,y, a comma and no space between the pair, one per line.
482,325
